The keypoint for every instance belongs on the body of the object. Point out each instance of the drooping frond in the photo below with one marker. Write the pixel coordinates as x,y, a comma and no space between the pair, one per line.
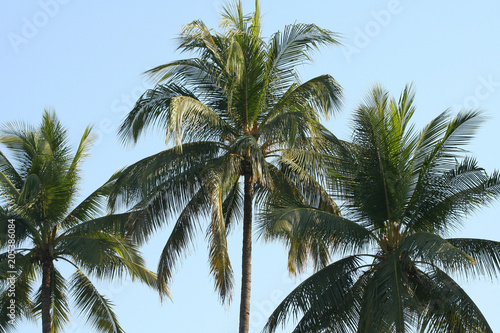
434,250
297,220
384,305
220,264
327,286
95,307
448,307
59,307
162,183
486,254
182,236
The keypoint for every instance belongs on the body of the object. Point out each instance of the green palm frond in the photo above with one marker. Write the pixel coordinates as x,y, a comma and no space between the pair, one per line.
304,221
94,252
449,308
182,235
220,265
346,312
321,93
232,206
446,198
26,273
191,120
176,169
23,229
306,169
153,108
486,254
328,286
106,256
10,181
387,297
93,305
434,250
20,140
59,307
84,146
89,208
292,48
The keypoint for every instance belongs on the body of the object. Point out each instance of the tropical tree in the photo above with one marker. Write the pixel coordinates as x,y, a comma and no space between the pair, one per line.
41,225
236,111
403,192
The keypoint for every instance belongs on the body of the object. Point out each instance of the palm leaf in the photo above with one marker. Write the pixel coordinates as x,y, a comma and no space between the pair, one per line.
59,307
327,286
93,305
449,309
486,254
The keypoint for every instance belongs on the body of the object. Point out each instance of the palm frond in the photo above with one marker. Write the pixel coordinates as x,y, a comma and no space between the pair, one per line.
97,253
93,305
449,308
296,219
486,254
10,181
383,307
446,198
326,287
435,250
23,279
23,230
292,48
181,236
152,109
320,95
59,308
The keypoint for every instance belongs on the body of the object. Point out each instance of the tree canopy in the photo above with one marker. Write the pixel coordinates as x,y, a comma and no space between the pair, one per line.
402,193
38,188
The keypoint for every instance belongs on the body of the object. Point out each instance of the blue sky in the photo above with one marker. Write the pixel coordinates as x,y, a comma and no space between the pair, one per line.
85,59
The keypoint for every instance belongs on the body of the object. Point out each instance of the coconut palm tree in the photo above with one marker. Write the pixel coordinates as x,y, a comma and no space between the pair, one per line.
403,193
236,111
40,225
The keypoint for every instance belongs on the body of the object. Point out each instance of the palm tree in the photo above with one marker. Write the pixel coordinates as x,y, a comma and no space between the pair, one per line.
402,193
237,110
40,225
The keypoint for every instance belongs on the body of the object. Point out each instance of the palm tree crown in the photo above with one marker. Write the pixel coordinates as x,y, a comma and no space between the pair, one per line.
402,193
236,110
38,191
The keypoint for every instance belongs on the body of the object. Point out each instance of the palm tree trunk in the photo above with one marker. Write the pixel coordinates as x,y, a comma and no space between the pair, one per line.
246,277
46,318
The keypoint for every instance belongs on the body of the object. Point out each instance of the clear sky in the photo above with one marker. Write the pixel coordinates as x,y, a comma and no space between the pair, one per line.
85,59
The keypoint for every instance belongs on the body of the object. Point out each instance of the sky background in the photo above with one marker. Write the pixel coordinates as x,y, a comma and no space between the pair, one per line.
85,58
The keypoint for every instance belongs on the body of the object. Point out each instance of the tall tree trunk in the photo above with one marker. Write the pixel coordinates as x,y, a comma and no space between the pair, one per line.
246,277
46,299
